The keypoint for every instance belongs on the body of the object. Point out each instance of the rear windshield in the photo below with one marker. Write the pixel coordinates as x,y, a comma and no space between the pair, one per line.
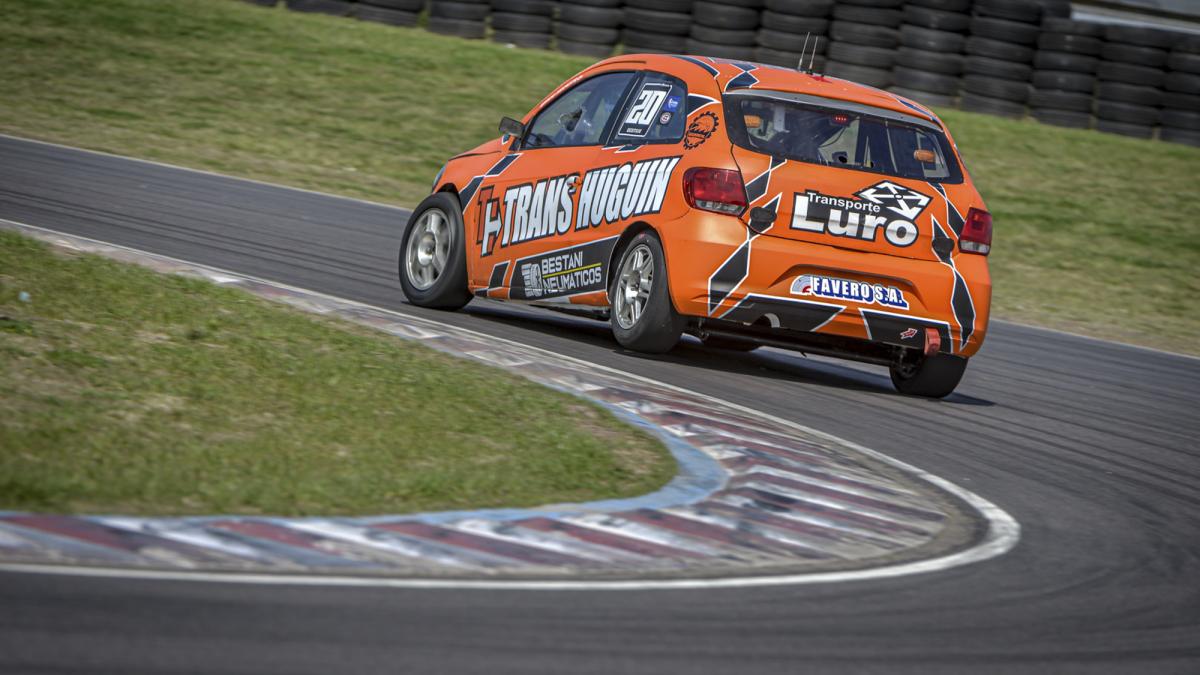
849,138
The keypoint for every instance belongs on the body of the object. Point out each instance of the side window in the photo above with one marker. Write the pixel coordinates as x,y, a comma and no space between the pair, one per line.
656,113
580,116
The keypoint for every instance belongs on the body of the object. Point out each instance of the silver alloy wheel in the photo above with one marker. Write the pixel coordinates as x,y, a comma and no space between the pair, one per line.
428,249
633,286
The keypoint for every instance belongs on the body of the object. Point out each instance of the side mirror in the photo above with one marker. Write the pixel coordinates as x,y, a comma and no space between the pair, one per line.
511,127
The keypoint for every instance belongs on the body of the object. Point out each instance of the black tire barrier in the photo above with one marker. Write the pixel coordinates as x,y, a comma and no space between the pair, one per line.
930,62
792,42
1004,30
596,35
786,59
925,97
262,3
472,30
936,19
819,8
920,80
1064,80
606,4
994,87
880,4
868,15
1189,44
719,36
465,11
391,17
656,22
523,23
414,6
867,35
520,38
672,6
1025,11
991,106
996,49
1071,44
1140,36
1129,93
756,5
1061,100
1111,71
1139,56
537,7
720,51
585,15
1185,136
593,50
1076,63
1124,128
875,57
1188,120
872,77
1070,27
790,23
729,17
931,40
1178,101
1129,113
1055,8
1184,83
639,40
1062,118
983,65
944,5
331,7
1183,62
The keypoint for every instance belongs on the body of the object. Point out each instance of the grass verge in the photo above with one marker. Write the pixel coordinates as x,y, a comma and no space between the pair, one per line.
122,390
1093,231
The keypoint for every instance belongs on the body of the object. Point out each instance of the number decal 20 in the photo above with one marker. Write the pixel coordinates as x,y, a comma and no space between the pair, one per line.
645,108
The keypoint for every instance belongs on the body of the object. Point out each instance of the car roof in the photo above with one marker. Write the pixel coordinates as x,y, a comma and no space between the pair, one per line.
727,75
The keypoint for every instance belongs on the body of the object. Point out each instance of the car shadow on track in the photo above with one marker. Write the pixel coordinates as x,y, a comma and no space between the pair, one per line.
773,364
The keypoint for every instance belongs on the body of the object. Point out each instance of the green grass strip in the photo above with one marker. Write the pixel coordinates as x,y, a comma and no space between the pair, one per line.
126,391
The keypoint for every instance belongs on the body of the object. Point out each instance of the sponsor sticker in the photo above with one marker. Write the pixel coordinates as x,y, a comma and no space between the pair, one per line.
700,130
552,206
672,103
908,334
664,118
568,271
834,288
884,206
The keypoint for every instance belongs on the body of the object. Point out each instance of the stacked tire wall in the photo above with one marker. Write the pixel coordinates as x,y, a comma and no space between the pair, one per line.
1013,58
1181,98
929,62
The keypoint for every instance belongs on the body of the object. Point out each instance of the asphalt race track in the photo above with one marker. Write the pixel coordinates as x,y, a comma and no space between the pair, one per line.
1092,446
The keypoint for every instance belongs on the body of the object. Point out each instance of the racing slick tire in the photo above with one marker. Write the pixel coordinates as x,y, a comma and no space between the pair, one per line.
642,317
933,377
433,258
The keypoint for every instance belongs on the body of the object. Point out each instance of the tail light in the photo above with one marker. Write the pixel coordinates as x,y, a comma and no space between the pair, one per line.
976,235
718,190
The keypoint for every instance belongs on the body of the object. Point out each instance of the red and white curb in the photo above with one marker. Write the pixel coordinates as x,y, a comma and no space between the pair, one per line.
759,500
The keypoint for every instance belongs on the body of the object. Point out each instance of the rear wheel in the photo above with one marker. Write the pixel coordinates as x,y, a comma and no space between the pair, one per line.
933,377
642,316
433,266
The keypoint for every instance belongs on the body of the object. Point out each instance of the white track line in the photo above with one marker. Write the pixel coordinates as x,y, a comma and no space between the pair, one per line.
1002,534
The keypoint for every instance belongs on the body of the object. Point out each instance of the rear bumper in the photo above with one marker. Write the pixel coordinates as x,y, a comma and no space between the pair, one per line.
722,278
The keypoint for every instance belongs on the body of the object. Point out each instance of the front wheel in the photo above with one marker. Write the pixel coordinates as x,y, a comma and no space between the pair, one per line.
933,377
433,259
643,318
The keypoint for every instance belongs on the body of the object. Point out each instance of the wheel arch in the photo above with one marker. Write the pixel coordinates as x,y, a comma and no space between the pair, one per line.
633,230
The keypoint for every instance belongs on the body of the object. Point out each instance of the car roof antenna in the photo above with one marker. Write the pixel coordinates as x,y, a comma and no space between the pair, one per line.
813,57
800,65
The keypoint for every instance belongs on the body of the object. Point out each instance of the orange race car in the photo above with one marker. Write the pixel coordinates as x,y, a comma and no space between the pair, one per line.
745,204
